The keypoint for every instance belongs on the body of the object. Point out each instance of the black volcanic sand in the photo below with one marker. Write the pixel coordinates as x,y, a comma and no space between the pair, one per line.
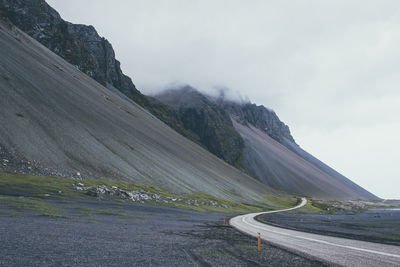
99,233
382,226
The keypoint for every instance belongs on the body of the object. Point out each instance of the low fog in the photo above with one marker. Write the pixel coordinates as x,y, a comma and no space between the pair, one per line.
330,70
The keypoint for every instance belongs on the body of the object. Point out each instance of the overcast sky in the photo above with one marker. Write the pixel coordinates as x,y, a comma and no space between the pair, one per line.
330,69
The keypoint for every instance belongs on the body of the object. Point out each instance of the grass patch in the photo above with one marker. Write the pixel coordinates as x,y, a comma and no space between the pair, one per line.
232,206
309,208
63,189
31,204
28,204
14,214
281,202
55,187
325,207
36,186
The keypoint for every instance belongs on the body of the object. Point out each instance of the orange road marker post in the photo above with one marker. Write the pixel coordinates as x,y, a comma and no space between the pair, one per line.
224,221
259,241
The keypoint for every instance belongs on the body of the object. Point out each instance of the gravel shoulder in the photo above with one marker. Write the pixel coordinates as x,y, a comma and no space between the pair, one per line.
110,233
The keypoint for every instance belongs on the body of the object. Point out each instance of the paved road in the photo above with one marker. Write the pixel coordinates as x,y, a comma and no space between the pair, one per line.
335,250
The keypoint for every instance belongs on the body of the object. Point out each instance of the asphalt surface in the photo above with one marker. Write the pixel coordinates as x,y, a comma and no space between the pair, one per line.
375,225
335,250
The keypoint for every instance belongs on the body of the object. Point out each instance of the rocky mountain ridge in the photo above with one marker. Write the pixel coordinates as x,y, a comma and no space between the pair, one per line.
210,124
209,120
266,148
78,44
260,117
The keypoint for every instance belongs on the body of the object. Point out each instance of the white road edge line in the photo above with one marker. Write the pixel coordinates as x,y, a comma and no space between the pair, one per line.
303,203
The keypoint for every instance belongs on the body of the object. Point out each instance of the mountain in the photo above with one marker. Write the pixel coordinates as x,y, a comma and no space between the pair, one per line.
267,149
56,120
220,126
82,46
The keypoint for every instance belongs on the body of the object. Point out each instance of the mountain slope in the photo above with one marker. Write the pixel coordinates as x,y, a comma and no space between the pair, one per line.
268,150
278,167
325,168
57,120
207,122
82,46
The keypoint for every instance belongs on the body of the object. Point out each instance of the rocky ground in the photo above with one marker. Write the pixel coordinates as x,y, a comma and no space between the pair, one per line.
14,162
377,225
141,195
109,233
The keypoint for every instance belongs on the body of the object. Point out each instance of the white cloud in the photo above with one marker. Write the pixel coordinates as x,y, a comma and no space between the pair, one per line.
328,68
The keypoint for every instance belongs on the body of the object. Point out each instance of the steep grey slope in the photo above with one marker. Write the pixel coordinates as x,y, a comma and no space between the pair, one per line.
82,46
279,167
267,122
63,122
268,150
325,168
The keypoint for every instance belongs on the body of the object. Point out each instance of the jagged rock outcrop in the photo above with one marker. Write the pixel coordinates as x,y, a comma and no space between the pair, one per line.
260,117
207,121
78,44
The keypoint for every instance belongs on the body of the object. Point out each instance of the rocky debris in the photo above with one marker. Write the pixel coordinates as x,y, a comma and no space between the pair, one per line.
140,195
332,206
14,162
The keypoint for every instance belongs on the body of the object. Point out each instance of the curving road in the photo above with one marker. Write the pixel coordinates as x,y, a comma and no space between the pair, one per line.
334,250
